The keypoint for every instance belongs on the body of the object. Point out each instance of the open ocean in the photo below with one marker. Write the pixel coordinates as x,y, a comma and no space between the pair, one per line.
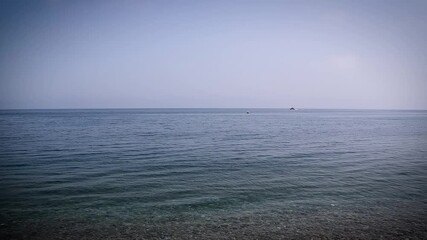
213,174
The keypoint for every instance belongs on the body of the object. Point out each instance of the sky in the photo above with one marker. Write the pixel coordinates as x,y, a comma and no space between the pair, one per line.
364,54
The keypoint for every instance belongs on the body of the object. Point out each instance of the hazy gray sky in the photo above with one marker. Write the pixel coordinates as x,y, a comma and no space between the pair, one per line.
307,54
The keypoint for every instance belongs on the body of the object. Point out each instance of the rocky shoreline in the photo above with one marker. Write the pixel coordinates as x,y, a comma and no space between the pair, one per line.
349,226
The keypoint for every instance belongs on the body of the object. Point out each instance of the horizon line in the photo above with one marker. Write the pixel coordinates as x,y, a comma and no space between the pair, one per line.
278,108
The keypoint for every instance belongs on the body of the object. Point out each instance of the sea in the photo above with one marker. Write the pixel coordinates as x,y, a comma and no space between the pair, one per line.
213,174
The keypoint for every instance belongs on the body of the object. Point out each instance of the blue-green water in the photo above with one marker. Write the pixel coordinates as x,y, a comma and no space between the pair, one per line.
213,173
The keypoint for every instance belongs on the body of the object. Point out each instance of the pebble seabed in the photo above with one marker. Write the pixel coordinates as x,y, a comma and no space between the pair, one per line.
319,225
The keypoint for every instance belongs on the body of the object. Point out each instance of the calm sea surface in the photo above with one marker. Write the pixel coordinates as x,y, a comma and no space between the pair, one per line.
213,173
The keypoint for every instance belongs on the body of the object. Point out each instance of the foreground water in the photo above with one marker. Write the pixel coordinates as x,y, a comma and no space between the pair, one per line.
213,173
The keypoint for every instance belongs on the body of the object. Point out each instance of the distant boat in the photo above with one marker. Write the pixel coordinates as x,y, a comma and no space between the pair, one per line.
291,108
247,112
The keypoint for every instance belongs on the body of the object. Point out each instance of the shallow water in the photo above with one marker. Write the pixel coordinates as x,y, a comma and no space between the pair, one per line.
213,173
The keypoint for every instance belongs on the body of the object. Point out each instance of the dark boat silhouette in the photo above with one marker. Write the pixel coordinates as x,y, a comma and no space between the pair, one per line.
291,108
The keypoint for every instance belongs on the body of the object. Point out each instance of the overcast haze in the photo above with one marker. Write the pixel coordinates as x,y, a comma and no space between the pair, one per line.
305,54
